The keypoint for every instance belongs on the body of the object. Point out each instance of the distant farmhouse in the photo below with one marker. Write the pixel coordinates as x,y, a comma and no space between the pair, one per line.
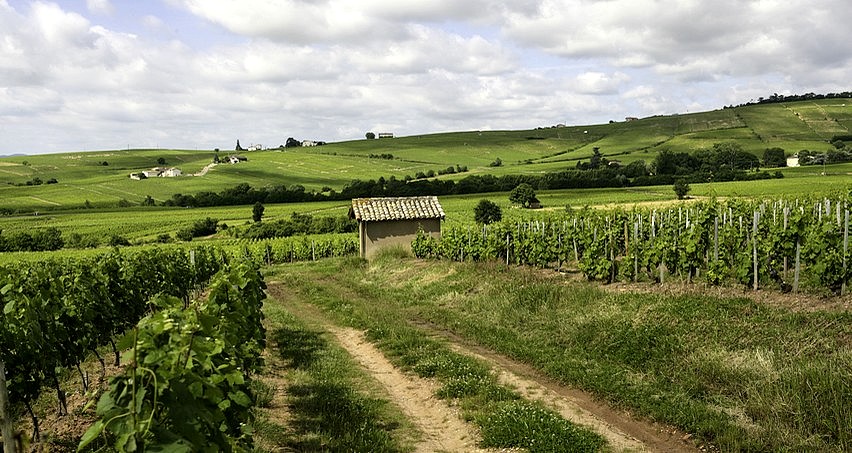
631,118
385,135
156,172
394,221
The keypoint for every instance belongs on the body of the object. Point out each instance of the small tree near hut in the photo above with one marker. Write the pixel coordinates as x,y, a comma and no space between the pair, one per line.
487,212
523,194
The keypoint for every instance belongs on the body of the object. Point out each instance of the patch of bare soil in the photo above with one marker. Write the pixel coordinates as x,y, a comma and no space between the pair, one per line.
623,431
442,428
62,433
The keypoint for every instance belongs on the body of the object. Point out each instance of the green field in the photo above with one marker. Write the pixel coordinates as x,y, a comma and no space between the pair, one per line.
764,372
83,176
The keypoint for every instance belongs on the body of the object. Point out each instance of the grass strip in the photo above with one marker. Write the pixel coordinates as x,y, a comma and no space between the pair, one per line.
732,372
504,418
331,403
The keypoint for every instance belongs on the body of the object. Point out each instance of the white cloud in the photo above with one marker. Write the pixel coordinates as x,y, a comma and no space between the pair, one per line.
600,83
100,6
332,69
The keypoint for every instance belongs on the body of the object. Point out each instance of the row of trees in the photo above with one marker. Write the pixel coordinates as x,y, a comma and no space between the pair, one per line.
636,174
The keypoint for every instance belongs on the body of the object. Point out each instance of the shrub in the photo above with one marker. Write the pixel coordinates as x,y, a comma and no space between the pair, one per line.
487,212
681,188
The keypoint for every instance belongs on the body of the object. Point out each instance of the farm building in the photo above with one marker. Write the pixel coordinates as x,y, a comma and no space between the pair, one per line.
385,135
394,221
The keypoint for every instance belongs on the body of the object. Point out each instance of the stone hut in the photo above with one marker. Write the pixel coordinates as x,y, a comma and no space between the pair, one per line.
394,221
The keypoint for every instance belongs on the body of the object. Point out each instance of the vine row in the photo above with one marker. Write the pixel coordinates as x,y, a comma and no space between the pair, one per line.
188,383
55,312
790,244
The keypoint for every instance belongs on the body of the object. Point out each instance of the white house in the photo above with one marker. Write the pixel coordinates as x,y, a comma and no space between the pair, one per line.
154,172
385,135
171,173
309,143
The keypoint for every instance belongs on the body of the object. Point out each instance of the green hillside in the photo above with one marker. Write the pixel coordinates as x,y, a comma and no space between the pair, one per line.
102,178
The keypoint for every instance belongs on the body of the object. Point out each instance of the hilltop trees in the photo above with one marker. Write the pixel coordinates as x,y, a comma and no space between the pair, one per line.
371,136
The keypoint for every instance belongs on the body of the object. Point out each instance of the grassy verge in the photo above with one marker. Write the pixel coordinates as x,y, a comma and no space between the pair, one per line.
505,420
330,403
732,372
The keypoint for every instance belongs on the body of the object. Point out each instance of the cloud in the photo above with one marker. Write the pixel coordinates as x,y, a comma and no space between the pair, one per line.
100,6
687,37
599,83
333,69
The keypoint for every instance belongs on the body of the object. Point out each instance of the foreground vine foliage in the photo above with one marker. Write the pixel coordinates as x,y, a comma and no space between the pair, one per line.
187,386
57,311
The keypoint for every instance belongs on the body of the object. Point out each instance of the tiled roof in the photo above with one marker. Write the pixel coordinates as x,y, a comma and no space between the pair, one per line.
396,208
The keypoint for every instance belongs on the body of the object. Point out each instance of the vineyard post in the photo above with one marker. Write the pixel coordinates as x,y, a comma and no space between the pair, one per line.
635,252
845,250
796,272
754,247
507,249
786,213
715,239
5,420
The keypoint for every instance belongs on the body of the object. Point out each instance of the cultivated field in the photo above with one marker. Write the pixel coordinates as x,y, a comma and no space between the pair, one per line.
400,354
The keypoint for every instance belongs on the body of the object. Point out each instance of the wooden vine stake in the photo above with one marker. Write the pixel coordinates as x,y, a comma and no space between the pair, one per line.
754,247
796,272
6,428
845,250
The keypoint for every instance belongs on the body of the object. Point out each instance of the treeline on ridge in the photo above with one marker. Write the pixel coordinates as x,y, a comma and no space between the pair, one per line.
724,162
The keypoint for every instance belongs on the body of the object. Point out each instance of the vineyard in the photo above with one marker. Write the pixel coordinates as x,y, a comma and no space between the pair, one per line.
57,312
791,245
291,249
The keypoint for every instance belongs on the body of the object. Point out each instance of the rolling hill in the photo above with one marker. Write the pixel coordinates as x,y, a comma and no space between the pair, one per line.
102,177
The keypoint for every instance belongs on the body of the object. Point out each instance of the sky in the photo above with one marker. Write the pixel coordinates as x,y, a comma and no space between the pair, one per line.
81,75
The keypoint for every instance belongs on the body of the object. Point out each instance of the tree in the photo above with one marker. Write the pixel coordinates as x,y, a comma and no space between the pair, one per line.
148,201
238,147
371,136
774,157
487,212
681,188
257,212
523,195
161,161
596,159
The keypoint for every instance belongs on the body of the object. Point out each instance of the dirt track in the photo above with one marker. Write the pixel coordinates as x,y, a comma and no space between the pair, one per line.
445,431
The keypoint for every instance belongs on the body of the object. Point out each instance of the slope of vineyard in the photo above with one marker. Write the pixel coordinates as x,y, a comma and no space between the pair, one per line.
102,177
